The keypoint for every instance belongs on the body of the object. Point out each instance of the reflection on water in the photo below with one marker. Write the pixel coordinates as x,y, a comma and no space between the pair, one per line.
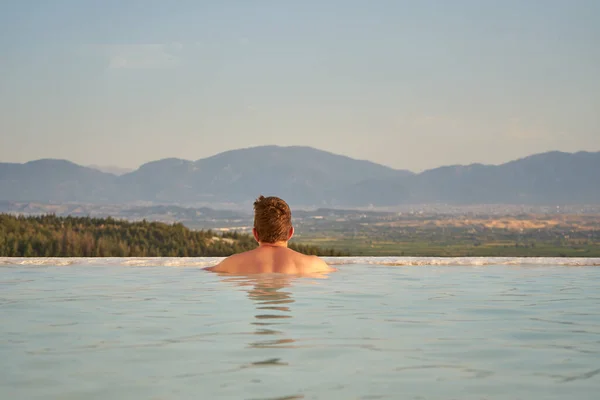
273,304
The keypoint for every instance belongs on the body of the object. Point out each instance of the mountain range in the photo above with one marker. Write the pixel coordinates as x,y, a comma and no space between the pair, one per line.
305,176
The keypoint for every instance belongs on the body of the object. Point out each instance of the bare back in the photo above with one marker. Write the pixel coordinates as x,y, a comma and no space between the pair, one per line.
271,259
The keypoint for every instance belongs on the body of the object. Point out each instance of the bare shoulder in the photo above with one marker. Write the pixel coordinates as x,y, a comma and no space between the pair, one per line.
317,264
227,264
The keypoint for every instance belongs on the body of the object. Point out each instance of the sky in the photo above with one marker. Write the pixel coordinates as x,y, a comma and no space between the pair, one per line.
408,84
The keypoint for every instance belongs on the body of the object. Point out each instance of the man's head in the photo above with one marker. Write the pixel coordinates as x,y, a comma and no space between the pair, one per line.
272,220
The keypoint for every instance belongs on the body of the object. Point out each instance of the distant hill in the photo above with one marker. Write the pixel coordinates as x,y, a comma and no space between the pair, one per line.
553,177
302,174
309,177
51,180
548,178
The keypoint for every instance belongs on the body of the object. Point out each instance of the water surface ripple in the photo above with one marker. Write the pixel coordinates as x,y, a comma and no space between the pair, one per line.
99,331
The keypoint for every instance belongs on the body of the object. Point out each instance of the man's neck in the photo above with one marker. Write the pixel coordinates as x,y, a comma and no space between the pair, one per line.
276,244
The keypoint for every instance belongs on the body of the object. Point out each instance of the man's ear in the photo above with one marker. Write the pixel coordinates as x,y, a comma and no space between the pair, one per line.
290,233
255,233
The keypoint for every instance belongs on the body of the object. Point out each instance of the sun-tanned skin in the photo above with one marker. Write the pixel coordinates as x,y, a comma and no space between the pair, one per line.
272,258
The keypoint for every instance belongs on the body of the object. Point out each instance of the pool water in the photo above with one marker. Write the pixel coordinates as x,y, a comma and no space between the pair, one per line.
109,331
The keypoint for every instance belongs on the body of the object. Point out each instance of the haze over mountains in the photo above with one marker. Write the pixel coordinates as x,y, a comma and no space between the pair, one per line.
111,169
308,177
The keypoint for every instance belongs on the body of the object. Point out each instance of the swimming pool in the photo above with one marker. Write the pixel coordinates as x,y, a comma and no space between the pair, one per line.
138,329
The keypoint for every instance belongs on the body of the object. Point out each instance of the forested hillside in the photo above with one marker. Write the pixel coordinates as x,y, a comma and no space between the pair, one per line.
52,236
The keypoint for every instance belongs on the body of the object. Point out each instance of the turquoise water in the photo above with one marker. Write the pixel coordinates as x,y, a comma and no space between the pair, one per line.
366,332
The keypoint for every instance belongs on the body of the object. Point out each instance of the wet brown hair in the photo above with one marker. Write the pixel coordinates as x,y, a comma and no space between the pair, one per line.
272,219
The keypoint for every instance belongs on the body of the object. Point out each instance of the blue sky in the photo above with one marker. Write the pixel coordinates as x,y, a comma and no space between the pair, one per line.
408,84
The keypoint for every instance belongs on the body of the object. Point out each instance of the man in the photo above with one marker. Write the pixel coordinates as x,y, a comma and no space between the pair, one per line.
272,230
